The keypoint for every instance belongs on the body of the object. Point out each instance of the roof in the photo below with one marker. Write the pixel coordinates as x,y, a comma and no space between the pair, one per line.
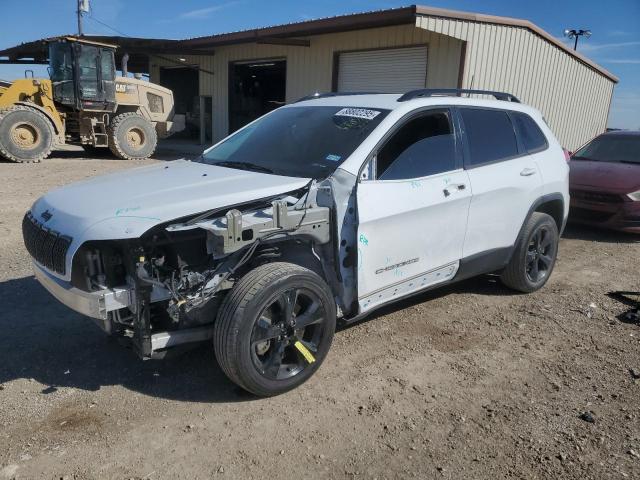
284,33
379,18
622,133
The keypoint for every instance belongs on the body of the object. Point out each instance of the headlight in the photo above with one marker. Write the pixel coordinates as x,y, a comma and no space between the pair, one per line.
635,196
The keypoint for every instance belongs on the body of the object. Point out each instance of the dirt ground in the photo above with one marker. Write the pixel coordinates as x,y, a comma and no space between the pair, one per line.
472,381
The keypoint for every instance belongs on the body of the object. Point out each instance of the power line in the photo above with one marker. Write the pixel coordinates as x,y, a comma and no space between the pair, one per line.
161,57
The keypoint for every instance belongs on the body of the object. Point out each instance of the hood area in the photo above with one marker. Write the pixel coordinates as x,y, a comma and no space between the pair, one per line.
126,204
607,176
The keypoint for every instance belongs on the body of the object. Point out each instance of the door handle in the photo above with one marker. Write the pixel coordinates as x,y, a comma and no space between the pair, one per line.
527,172
455,187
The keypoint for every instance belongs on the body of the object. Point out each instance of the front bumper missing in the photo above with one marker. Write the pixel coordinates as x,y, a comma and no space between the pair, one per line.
98,304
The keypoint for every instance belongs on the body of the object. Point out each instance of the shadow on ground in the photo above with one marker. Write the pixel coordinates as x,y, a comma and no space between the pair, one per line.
44,340
576,231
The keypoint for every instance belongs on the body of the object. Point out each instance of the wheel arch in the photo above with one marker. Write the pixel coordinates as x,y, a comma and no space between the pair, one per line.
552,204
58,126
554,207
297,251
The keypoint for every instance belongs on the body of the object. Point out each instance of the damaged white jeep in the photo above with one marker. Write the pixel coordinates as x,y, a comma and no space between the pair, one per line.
321,210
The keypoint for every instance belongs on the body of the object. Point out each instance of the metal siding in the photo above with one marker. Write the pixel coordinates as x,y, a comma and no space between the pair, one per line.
310,69
573,97
378,70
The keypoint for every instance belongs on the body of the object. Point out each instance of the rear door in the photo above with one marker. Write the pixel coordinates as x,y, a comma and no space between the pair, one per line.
412,199
505,180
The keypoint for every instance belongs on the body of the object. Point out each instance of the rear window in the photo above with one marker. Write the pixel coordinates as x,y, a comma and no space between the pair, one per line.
490,136
532,137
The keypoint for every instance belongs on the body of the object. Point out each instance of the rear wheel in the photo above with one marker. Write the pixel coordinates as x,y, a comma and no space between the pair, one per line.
132,137
275,328
535,255
26,135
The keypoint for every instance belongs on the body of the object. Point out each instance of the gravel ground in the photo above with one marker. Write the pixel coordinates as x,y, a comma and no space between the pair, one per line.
470,381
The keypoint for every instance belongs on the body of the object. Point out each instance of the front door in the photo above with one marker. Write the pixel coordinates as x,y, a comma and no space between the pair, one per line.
413,200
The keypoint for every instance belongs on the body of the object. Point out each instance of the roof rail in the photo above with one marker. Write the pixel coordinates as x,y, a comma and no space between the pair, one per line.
438,92
332,94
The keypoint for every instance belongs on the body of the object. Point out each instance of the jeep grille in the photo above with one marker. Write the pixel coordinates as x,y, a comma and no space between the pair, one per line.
46,246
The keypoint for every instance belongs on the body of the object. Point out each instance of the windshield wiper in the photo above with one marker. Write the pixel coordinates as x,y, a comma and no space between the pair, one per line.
244,166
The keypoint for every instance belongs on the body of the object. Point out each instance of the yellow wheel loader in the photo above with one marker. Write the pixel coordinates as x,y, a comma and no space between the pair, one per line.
82,103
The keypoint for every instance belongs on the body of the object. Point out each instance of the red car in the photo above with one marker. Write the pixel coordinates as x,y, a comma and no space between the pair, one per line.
604,182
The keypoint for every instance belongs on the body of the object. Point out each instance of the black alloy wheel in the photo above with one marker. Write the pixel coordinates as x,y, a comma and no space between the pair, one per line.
534,255
540,254
274,328
286,335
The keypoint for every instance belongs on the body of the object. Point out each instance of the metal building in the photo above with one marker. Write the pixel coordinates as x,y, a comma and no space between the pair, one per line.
223,81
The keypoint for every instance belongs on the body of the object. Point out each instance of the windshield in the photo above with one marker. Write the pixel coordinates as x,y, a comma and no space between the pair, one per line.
308,142
611,148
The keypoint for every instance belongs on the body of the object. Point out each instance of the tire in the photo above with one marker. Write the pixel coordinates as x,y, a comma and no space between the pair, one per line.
534,256
26,134
132,137
255,309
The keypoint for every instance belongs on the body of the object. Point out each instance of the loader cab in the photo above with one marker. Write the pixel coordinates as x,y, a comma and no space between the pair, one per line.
83,74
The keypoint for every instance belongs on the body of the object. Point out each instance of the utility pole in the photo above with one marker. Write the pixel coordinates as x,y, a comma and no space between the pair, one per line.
83,7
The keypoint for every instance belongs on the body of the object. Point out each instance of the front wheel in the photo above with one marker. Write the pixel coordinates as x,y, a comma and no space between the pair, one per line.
26,134
274,328
534,256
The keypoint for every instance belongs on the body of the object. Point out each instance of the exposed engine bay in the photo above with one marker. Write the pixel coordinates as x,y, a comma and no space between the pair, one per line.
180,271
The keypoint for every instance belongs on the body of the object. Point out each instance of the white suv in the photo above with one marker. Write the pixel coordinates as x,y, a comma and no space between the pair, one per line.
321,210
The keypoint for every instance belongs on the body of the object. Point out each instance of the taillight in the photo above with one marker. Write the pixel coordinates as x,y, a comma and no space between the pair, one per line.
567,154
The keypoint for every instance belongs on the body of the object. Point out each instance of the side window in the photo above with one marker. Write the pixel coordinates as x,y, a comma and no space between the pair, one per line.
423,146
107,66
530,134
490,136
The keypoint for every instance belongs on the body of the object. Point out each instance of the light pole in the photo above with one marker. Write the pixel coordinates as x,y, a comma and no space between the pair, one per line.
576,34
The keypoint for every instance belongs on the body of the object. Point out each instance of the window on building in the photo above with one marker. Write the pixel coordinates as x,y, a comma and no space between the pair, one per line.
490,136
423,146
530,134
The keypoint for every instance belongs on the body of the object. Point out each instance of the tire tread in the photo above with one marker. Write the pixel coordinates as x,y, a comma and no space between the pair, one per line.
42,155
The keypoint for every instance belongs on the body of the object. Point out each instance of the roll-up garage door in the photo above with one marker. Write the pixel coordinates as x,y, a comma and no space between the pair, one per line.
396,70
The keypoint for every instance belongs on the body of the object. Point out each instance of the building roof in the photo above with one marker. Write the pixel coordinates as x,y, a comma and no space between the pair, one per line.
285,34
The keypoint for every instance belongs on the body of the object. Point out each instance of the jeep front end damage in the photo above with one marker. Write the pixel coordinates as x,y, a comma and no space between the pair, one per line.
165,288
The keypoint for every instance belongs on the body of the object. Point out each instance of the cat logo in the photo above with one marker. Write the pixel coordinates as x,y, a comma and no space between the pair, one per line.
121,87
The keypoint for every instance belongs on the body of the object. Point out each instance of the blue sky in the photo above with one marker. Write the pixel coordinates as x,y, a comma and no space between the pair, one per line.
615,43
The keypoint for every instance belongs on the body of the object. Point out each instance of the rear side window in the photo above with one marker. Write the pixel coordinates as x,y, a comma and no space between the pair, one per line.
530,134
490,136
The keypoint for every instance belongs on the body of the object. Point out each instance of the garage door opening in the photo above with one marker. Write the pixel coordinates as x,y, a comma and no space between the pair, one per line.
387,70
255,88
184,82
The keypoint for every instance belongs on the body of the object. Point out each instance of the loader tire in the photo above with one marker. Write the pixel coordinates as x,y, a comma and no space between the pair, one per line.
26,135
132,137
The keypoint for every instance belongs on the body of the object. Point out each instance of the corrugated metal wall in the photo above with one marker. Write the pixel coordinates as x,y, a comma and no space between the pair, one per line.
573,97
310,69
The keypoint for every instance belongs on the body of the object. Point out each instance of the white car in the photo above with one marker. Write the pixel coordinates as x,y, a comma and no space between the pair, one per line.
321,210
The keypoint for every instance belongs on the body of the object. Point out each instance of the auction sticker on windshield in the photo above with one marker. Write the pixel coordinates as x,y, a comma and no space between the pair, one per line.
358,113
